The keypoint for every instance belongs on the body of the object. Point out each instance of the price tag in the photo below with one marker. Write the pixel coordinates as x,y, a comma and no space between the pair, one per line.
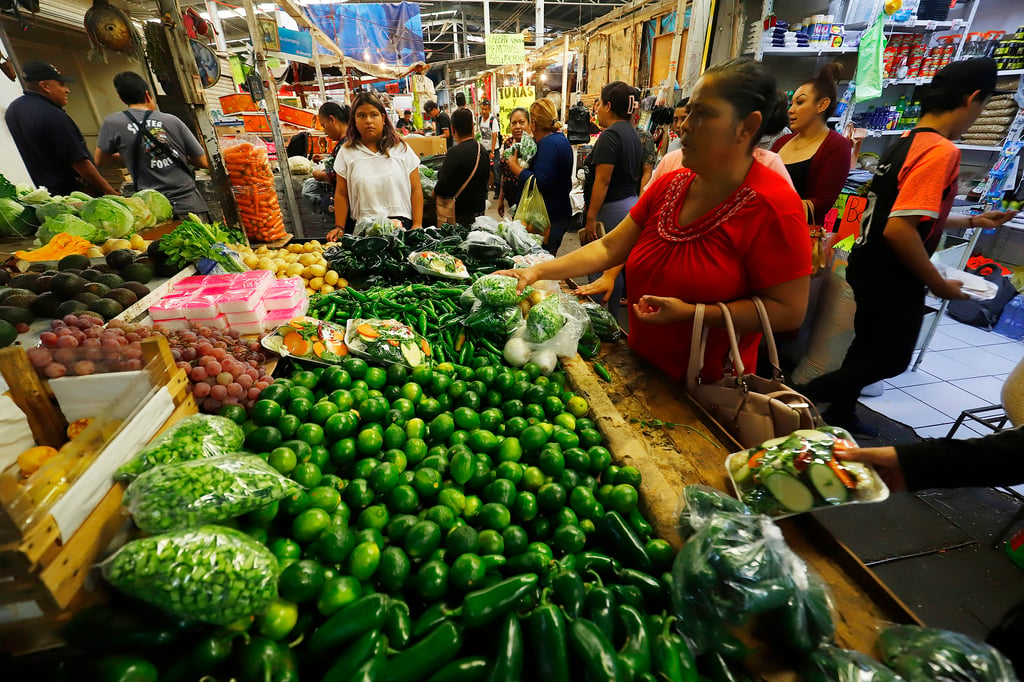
930,26
911,23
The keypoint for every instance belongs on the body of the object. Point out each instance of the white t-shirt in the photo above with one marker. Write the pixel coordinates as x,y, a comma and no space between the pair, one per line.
378,184
488,126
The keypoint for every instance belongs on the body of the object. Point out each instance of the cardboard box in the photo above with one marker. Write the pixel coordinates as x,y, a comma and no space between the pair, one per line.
426,146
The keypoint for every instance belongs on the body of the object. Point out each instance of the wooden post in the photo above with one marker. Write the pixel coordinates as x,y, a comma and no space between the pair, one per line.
184,64
319,71
47,424
565,77
275,123
11,56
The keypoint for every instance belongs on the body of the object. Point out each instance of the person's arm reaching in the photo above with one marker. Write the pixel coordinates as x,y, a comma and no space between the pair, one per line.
986,220
200,161
994,460
88,172
340,209
604,285
102,158
903,238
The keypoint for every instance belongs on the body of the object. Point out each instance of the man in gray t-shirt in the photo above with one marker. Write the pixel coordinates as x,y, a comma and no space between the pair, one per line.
162,159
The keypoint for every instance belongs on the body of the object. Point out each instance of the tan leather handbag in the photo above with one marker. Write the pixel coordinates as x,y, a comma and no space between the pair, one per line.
446,206
751,408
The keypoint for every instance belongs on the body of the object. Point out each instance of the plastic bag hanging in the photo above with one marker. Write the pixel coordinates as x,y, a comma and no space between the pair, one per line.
870,56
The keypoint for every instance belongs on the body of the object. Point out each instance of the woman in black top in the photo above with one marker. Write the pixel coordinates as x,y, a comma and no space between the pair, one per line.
458,165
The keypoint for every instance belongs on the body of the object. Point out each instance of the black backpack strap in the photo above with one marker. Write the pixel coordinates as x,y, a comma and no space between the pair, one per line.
159,144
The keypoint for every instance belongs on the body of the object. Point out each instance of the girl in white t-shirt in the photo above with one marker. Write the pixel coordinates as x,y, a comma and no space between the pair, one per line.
377,173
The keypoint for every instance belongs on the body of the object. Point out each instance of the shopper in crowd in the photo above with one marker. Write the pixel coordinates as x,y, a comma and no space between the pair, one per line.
612,171
551,169
648,153
460,101
405,124
334,119
678,116
49,141
442,121
157,148
511,189
673,161
994,460
722,229
817,157
467,163
489,128
378,174
890,266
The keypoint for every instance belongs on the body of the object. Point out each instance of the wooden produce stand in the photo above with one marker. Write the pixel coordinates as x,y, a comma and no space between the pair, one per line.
39,561
692,450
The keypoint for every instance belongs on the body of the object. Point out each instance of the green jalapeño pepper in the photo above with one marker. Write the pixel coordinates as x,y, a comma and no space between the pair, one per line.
568,590
508,662
399,624
354,656
635,654
125,669
431,618
463,670
364,614
594,650
202,659
602,564
260,660
547,634
372,669
629,594
601,609
426,656
653,591
483,606
625,542
673,659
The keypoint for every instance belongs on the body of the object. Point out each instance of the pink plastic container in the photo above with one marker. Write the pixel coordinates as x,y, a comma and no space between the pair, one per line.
247,316
239,300
247,328
199,308
217,322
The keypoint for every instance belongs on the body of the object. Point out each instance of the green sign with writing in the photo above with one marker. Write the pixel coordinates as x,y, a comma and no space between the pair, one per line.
505,48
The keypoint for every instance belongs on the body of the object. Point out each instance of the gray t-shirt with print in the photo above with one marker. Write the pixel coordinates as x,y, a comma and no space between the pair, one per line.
155,169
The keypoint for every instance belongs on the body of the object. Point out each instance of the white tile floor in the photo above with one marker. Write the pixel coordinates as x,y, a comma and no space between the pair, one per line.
964,368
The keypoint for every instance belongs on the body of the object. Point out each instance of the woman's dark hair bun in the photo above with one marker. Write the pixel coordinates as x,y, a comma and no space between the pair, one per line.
824,85
777,116
832,71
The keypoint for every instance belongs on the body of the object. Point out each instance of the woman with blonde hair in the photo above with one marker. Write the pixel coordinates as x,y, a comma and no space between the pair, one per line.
551,167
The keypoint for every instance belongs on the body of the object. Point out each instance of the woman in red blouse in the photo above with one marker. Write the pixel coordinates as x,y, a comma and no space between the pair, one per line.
818,158
722,229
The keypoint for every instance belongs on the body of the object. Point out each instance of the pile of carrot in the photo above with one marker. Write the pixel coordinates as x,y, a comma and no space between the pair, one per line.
253,185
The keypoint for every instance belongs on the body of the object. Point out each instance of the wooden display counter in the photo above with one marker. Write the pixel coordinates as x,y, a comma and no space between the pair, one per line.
651,424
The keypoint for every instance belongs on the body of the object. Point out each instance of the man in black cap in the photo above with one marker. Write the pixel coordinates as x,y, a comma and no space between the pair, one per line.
50,143
908,208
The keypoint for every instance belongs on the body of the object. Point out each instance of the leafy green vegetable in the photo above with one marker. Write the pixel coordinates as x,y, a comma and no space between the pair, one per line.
157,203
55,208
35,196
142,216
928,654
69,224
189,494
194,437
7,189
108,215
16,220
194,240
79,196
497,290
544,320
213,574
602,321
496,320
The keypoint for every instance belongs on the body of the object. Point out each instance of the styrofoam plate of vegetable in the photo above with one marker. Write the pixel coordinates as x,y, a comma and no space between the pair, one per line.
438,264
308,339
799,473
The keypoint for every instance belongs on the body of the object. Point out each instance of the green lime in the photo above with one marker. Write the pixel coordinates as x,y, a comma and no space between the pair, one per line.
373,410
309,524
341,425
495,516
462,539
369,443
394,437
376,378
569,539
398,527
466,419
453,498
589,437
235,413
337,593
311,433
375,517
441,428
296,503
344,452
432,580
322,411
441,515
288,425
301,582
629,476
307,475
550,497
623,497
415,450
661,554
266,412
428,408
533,479
396,457
394,569
427,482
577,406
384,477
358,493
283,459
335,543
551,462
285,548
482,441
422,539
467,572
405,408
277,391
515,540
422,375
304,378
263,439
600,459
490,541
403,499
363,561
356,367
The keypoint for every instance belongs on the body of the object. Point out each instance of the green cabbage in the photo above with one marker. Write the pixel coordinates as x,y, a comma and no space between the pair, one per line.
71,225
53,209
158,204
143,216
79,196
110,216
35,196
16,220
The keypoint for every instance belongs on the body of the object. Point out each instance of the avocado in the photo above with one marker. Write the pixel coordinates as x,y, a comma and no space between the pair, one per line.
91,274
5,277
107,308
102,268
69,308
74,271
11,291
125,297
67,284
21,299
167,269
73,261
86,298
16,315
138,272
50,273
120,258
37,268
45,306
42,284
154,251
111,280
137,288
7,334
98,288
25,280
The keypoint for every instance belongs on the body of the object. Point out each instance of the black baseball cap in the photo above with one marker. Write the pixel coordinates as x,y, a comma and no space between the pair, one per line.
36,71
967,76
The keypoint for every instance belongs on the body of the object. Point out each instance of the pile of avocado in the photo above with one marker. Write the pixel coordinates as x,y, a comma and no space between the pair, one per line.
75,286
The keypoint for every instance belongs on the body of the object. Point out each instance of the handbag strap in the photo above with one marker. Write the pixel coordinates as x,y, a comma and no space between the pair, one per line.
698,346
475,166
769,338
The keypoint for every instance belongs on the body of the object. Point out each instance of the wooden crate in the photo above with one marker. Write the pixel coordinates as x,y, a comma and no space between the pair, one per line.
36,565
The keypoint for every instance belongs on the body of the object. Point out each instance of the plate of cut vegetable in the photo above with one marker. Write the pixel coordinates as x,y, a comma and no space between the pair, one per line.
387,341
438,264
799,472
308,338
